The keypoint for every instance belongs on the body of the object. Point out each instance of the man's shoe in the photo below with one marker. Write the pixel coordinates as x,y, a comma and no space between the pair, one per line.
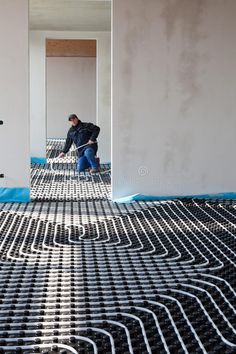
94,170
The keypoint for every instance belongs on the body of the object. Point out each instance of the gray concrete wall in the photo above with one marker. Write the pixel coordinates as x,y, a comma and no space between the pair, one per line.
174,97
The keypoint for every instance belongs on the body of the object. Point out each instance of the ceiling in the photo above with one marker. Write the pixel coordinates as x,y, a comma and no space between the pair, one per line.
70,15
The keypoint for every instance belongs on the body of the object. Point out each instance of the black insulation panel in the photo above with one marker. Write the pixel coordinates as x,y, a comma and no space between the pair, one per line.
85,275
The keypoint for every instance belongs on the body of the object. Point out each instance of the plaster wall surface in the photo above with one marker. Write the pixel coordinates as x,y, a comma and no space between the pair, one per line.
104,96
14,90
71,88
174,97
37,95
103,89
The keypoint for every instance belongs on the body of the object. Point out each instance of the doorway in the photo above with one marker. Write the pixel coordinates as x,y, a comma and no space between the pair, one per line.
70,83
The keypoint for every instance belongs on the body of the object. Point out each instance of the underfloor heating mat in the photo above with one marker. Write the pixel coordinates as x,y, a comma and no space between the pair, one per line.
58,179
89,276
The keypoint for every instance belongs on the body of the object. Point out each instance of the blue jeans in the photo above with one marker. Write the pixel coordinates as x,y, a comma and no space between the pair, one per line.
87,160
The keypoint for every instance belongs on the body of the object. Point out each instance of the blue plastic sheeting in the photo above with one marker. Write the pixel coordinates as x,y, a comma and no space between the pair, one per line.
39,160
139,197
19,195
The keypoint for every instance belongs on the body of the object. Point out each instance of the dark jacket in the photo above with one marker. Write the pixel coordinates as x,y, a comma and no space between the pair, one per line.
81,134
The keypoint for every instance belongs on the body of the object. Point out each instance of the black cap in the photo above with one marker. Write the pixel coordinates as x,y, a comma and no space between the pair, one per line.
72,116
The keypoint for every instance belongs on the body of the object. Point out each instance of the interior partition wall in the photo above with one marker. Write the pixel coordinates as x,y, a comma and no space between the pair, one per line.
14,93
174,94
71,88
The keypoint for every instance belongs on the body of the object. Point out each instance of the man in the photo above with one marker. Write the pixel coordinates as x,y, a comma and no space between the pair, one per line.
83,133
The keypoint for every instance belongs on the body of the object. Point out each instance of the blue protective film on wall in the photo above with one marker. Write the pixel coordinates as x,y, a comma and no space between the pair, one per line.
142,197
39,160
19,195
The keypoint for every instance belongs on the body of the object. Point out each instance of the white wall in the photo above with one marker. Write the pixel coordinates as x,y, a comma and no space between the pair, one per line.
14,134
104,96
71,88
103,107
37,95
174,97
